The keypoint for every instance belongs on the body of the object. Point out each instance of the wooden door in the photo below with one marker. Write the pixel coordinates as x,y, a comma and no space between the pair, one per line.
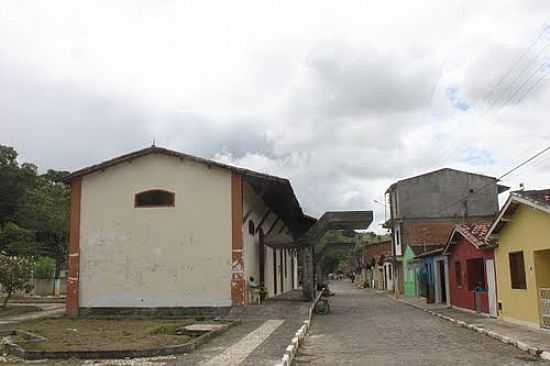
491,286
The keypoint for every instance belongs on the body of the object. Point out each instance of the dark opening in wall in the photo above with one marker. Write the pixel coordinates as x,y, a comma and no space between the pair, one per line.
155,198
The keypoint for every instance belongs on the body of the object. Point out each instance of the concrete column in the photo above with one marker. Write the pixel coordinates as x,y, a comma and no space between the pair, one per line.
308,282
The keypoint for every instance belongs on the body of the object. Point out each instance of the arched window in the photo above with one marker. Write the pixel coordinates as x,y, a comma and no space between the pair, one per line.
251,227
155,198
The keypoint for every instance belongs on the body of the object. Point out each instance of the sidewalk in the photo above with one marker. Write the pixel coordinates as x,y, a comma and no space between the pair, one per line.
48,310
535,341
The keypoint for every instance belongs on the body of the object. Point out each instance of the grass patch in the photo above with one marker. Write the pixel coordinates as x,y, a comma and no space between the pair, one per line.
14,310
66,334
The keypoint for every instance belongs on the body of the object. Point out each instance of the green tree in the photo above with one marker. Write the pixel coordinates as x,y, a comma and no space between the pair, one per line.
17,241
11,185
44,267
15,274
45,211
33,210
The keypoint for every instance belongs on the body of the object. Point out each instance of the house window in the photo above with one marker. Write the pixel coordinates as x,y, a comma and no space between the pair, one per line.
251,227
517,270
398,251
476,274
458,274
155,198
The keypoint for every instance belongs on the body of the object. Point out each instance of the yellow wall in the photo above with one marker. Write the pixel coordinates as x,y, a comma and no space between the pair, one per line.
529,231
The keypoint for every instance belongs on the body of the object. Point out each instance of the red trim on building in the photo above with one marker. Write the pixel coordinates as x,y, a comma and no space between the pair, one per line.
237,262
71,302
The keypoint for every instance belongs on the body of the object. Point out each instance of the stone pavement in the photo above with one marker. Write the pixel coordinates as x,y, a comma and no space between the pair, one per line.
261,338
368,328
537,338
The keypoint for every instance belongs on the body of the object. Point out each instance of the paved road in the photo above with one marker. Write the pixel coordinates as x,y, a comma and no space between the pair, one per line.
369,328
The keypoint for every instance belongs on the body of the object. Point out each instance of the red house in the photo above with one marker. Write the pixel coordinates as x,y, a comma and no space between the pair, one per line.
472,269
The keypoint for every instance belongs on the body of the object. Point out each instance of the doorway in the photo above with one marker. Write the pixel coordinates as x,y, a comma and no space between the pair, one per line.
491,286
442,287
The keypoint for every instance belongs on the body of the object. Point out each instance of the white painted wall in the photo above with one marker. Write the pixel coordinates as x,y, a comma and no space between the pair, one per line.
156,257
251,252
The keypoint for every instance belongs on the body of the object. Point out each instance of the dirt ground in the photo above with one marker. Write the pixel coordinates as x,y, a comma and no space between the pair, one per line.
65,334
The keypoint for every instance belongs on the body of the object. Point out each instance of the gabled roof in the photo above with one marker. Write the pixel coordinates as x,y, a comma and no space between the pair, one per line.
473,233
428,233
537,199
276,192
501,188
163,151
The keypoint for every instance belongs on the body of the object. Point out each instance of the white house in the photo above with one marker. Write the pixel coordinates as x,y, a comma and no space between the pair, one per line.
158,230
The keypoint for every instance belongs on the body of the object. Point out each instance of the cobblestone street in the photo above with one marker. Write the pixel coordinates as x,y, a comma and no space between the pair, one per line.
369,328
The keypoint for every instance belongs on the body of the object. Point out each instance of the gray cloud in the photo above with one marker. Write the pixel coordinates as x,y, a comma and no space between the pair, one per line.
342,101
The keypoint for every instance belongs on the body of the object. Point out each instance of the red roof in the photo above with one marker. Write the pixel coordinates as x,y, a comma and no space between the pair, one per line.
474,233
433,233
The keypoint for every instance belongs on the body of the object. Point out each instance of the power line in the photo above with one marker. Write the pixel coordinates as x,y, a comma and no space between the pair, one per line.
525,82
510,86
519,75
533,86
523,163
516,63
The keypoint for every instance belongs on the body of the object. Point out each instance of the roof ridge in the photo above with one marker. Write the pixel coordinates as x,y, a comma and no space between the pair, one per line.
162,150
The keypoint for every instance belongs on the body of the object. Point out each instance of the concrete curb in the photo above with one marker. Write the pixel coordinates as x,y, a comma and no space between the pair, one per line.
16,350
298,339
476,328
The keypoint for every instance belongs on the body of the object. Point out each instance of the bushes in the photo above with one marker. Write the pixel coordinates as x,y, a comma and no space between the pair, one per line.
15,274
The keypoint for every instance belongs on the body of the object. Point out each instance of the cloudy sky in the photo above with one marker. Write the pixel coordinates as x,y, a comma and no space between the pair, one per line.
343,98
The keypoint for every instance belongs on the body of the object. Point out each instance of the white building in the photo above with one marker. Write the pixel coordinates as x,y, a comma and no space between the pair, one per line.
160,230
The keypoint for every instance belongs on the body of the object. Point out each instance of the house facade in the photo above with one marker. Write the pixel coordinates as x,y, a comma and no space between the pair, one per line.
374,252
521,233
424,209
472,276
433,279
409,273
160,230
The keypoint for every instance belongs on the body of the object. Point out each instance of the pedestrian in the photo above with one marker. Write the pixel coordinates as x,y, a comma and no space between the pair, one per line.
352,276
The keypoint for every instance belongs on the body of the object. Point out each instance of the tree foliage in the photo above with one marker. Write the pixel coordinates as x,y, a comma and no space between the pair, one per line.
44,267
33,210
15,275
